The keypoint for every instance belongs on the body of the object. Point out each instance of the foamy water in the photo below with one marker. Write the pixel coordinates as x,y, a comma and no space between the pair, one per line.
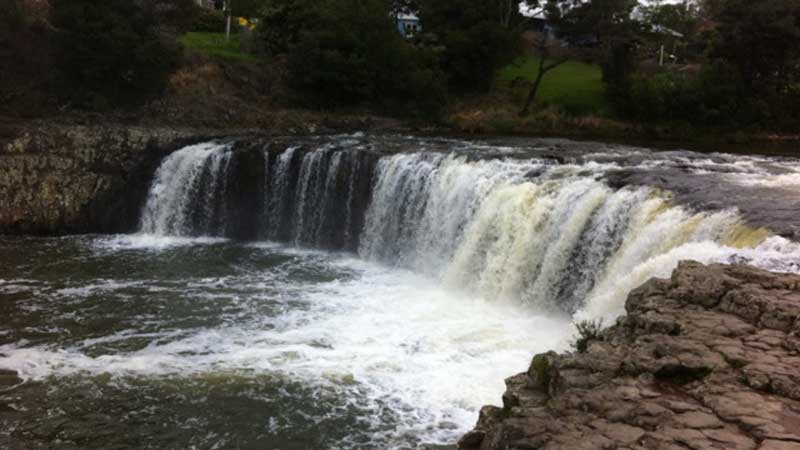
390,339
444,273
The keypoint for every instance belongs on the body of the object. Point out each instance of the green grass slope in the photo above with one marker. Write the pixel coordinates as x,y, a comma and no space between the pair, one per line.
215,45
575,87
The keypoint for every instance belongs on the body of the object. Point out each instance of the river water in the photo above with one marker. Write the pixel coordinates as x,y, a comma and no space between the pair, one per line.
388,286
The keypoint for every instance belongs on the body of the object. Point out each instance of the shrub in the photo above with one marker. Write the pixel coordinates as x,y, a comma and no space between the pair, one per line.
713,97
209,21
109,53
176,15
26,61
282,21
588,331
353,55
473,43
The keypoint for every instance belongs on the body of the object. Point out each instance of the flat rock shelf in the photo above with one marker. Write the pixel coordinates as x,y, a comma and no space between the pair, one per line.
705,360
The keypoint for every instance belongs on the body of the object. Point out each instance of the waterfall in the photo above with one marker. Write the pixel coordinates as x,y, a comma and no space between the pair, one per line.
309,197
554,236
187,196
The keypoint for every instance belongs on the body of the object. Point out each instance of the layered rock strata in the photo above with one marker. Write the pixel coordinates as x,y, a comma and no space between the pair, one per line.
709,359
77,179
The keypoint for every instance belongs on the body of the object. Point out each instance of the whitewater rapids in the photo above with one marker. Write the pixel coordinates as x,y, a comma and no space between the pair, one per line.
334,294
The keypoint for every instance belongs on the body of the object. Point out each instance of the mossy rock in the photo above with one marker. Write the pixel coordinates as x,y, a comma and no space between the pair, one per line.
540,371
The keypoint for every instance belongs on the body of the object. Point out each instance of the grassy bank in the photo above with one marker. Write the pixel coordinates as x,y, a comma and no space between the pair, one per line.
215,45
573,87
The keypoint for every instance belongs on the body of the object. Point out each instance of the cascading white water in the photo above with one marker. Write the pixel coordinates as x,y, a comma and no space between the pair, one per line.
188,192
229,344
554,237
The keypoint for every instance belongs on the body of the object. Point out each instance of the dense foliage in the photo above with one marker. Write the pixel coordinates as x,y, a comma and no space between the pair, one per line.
353,55
477,37
25,59
749,67
207,21
282,21
109,53
705,62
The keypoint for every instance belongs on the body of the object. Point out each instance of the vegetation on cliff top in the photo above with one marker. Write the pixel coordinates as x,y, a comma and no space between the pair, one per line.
610,67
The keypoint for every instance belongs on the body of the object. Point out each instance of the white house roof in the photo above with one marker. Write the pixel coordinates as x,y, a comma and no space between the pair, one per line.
408,17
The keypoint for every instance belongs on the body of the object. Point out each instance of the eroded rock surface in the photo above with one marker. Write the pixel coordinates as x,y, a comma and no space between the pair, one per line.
77,179
705,360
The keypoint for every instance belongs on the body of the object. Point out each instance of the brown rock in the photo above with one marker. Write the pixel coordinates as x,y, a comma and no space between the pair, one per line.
709,359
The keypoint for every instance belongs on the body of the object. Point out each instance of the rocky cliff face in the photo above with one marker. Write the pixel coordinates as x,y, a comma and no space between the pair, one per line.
75,179
706,360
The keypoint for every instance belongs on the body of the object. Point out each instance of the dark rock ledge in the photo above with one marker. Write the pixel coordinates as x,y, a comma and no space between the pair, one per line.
79,179
709,359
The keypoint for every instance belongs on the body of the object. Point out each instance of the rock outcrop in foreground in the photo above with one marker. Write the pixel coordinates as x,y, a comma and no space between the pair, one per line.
709,359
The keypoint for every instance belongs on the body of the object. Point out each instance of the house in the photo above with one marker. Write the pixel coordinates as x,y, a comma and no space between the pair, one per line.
407,24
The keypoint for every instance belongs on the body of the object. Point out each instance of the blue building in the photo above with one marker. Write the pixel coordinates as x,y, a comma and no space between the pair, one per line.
408,24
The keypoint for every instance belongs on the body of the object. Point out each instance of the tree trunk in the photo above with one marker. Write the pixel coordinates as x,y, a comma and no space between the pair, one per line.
228,20
532,94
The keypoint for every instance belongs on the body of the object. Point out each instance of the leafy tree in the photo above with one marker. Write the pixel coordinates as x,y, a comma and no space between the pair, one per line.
353,55
247,8
25,59
109,52
760,42
551,53
477,37
614,29
680,17
12,18
403,6
282,21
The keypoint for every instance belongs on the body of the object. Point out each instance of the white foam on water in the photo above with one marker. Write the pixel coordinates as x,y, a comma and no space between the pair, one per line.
498,249
607,301
143,241
431,356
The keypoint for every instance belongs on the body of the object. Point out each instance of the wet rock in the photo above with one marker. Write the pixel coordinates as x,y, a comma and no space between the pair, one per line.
705,360
79,179
8,378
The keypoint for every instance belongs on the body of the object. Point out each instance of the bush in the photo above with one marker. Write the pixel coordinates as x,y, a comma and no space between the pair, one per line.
109,53
178,16
210,21
712,97
26,61
474,45
353,55
588,331
281,22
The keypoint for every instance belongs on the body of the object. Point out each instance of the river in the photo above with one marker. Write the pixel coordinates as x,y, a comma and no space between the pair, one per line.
356,292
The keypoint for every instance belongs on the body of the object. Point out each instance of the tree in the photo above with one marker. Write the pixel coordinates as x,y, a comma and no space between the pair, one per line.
760,41
680,17
109,52
353,55
282,21
246,8
614,29
403,7
477,38
550,53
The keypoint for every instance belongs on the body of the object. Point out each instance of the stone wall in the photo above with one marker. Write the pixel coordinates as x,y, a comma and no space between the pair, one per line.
709,359
78,179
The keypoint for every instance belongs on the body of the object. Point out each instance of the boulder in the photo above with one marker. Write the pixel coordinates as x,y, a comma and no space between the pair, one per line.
705,360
